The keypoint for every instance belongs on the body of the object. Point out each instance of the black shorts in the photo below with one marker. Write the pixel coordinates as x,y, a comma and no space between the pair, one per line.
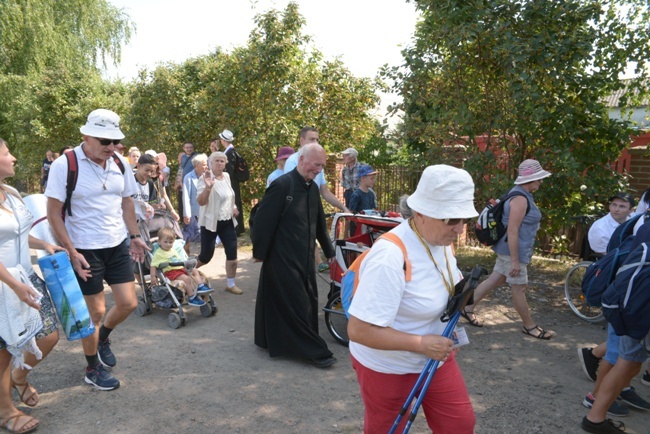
114,265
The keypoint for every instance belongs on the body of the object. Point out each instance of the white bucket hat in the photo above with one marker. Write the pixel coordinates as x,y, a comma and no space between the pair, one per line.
103,124
227,135
444,192
529,171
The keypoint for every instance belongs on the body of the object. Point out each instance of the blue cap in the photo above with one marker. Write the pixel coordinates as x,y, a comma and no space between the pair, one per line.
365,170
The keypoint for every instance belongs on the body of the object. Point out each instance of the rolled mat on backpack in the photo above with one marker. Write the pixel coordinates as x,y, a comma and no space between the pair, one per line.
66,296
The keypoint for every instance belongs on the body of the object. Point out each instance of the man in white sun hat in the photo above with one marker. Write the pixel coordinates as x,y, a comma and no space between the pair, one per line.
515,250
95,236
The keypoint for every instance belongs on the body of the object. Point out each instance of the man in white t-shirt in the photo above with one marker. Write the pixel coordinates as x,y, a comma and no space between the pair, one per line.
310,135
620,208
94,234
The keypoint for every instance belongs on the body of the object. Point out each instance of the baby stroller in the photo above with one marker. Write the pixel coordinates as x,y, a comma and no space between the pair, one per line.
167,295
367,228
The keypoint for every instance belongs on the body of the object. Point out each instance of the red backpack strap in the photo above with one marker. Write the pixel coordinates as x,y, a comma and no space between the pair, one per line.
71,183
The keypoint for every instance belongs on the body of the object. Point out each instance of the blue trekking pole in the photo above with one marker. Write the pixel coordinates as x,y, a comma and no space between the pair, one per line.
452,314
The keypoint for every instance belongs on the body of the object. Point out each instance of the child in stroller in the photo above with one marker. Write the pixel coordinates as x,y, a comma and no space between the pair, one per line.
166,257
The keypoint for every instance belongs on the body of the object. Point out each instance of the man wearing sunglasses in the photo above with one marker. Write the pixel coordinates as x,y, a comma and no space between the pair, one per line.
95,233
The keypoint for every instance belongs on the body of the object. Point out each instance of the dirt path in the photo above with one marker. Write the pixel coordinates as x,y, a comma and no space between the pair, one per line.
208,377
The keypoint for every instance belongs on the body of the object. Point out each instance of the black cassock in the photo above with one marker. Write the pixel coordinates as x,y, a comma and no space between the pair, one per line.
286,313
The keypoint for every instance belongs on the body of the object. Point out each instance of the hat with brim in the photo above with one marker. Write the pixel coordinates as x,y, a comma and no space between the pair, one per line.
151,152
351,151
227,135
529,171
103,124
284,153
627,197
444,192
365,170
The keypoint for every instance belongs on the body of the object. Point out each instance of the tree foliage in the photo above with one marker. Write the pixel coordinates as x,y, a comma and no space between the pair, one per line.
49,75
264,92
529,78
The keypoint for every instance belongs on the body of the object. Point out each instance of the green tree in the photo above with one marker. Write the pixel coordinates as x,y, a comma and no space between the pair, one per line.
529,78
264,92
50,52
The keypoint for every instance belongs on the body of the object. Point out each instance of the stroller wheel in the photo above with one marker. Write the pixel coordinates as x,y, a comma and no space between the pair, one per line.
335,319
142,310
206,310
174,320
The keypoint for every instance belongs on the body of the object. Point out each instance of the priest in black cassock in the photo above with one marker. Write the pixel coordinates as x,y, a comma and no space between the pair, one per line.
288,221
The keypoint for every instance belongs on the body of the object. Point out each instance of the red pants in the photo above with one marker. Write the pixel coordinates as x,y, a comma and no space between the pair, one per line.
446,406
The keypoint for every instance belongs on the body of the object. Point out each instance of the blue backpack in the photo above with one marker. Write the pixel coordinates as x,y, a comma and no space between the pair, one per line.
350,279
626,302
622,232
601,273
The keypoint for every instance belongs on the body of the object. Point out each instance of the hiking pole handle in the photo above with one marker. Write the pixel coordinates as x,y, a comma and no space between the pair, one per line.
446,333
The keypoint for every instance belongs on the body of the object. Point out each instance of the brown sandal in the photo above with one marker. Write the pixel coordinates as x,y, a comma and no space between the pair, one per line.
541,333
22,429
32,397
471,318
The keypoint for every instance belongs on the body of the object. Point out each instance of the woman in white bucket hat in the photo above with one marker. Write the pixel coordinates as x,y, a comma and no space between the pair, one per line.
515,250
395,324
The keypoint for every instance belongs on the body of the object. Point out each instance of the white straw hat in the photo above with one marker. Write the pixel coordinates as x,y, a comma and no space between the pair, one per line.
444,192
529,171
103,124
227,135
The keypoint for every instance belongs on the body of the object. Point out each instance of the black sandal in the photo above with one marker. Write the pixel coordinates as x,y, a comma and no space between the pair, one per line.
543,334
470,319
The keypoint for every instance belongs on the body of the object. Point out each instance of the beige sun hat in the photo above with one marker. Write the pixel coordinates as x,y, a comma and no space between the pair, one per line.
444,192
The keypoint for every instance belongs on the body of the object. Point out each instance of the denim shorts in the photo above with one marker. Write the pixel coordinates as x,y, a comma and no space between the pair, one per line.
625,347
503,267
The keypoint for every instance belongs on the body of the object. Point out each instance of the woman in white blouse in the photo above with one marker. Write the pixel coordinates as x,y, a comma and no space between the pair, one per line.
217,216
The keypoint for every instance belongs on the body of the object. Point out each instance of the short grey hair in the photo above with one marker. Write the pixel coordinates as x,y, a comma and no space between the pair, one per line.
217,155
199,159
404,207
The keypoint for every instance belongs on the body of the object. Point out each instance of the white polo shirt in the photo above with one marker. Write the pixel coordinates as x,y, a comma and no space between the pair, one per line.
292,163
96,221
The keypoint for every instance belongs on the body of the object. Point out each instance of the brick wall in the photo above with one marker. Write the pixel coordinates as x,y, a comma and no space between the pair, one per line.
639,169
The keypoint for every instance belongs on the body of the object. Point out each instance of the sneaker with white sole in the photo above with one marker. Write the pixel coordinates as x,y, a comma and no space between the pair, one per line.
100,378
106,356
616,409
631,398
203,289
589,362
196,301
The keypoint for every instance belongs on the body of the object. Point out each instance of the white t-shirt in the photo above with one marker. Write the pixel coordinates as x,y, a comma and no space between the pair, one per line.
14,233
96,221
601,232
292,163
385,299
141,199
221,202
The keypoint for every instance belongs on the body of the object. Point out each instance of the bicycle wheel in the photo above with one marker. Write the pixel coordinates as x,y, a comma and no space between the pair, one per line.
335,319
574,296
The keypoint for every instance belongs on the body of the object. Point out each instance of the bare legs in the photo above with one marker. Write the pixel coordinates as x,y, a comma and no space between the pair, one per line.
19,375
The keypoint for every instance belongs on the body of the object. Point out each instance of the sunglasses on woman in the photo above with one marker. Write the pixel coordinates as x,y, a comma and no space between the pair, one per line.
106,142
454,222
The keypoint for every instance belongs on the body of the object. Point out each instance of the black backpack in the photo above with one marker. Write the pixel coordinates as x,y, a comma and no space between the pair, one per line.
73,174
251,216
489,227
241,167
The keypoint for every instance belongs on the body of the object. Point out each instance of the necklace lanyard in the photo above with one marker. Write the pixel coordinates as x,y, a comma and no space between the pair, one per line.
108,171
448,285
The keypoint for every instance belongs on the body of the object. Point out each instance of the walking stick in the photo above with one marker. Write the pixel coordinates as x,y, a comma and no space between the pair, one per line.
452,314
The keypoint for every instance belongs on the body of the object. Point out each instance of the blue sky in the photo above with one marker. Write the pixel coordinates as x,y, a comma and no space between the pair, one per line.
366,34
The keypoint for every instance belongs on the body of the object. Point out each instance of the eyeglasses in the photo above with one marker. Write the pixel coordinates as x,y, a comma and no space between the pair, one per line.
106,142
454,222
